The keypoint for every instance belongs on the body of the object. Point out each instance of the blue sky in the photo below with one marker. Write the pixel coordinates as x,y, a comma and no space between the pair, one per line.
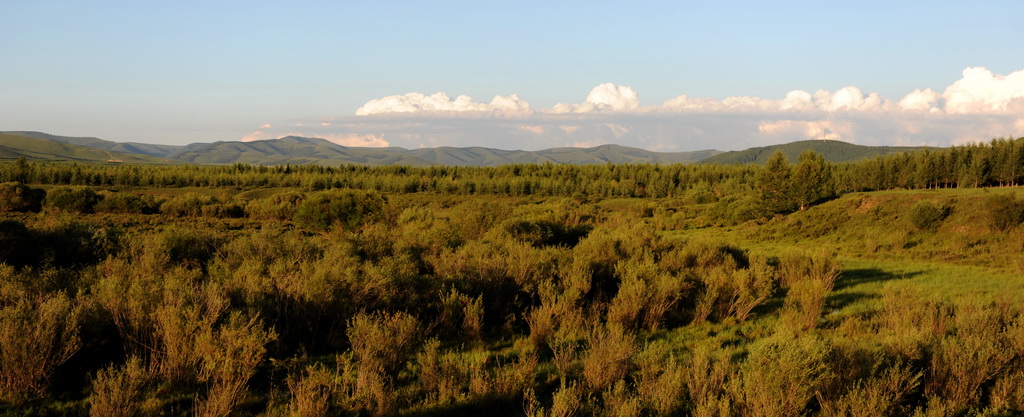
200,71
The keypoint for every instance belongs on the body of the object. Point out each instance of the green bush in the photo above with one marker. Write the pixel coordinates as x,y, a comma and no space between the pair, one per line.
927,216
128,203
1004,211
188,205
279,206
346,208
17,197
196,205
73,199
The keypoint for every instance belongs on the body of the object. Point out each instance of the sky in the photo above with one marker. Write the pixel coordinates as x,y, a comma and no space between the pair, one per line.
659,75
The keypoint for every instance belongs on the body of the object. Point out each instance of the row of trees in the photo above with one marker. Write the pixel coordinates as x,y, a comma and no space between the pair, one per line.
1000,162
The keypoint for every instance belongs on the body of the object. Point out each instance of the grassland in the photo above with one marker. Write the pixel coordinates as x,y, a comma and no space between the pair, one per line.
269,300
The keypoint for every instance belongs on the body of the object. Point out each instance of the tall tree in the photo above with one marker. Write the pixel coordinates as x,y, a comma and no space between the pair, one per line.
775,185
812,179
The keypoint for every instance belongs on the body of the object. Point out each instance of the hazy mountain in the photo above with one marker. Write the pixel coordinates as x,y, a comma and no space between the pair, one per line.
301,150
123,147
832,150
13,146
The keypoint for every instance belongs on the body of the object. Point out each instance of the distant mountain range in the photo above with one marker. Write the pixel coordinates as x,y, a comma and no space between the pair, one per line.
833,150
299,150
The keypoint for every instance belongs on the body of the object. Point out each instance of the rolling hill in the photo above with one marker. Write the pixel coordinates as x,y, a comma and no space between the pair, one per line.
14,146
833,150
162,151
301,150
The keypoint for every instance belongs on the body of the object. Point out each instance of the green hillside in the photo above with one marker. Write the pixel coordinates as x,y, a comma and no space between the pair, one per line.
293,150
122,147
297,150
300,150
16,146
833,150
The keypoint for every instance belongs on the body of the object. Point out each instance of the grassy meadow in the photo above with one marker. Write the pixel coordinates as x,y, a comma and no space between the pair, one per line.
298,299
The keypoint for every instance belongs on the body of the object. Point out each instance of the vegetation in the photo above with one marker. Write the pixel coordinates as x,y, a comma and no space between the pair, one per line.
541,290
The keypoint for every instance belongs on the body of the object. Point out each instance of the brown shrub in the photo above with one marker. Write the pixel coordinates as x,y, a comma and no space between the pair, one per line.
230,355
882,395
816,265
609,357
311,393
780,376
120,392
963,362
36,336
381,343
804,304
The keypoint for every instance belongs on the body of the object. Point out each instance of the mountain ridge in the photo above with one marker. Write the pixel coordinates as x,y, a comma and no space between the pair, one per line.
299,150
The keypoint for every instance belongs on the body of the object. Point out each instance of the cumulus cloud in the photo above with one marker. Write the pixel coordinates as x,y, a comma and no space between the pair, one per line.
980,91
921,100
979,106
439,102
604,97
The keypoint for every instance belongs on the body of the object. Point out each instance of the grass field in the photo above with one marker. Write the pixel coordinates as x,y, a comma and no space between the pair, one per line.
344,302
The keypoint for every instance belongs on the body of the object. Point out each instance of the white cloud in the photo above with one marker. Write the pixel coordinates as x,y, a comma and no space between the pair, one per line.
357,140
604,97
979,106
533,129
439,102
980,91
921,100
257,135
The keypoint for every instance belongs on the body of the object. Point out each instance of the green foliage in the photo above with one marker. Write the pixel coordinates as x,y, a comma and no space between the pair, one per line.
128,203
1003,211
833,150
345,208
72,199
811,179
548,305
927,216
781,375
280,206
775,186
17,197
196,205
36,336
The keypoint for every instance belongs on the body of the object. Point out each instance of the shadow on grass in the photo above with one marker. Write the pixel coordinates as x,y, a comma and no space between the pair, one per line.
839,298
854,277
491,407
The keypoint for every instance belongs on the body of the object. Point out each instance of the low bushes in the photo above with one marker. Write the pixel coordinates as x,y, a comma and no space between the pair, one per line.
925,215
73,199
1003,211
17,197
346,208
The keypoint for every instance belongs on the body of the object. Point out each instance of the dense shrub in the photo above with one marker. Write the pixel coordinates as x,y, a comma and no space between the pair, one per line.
925,215
16,197
128,203
36,336
196,205
346,208
280,206
1004,211
73,199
